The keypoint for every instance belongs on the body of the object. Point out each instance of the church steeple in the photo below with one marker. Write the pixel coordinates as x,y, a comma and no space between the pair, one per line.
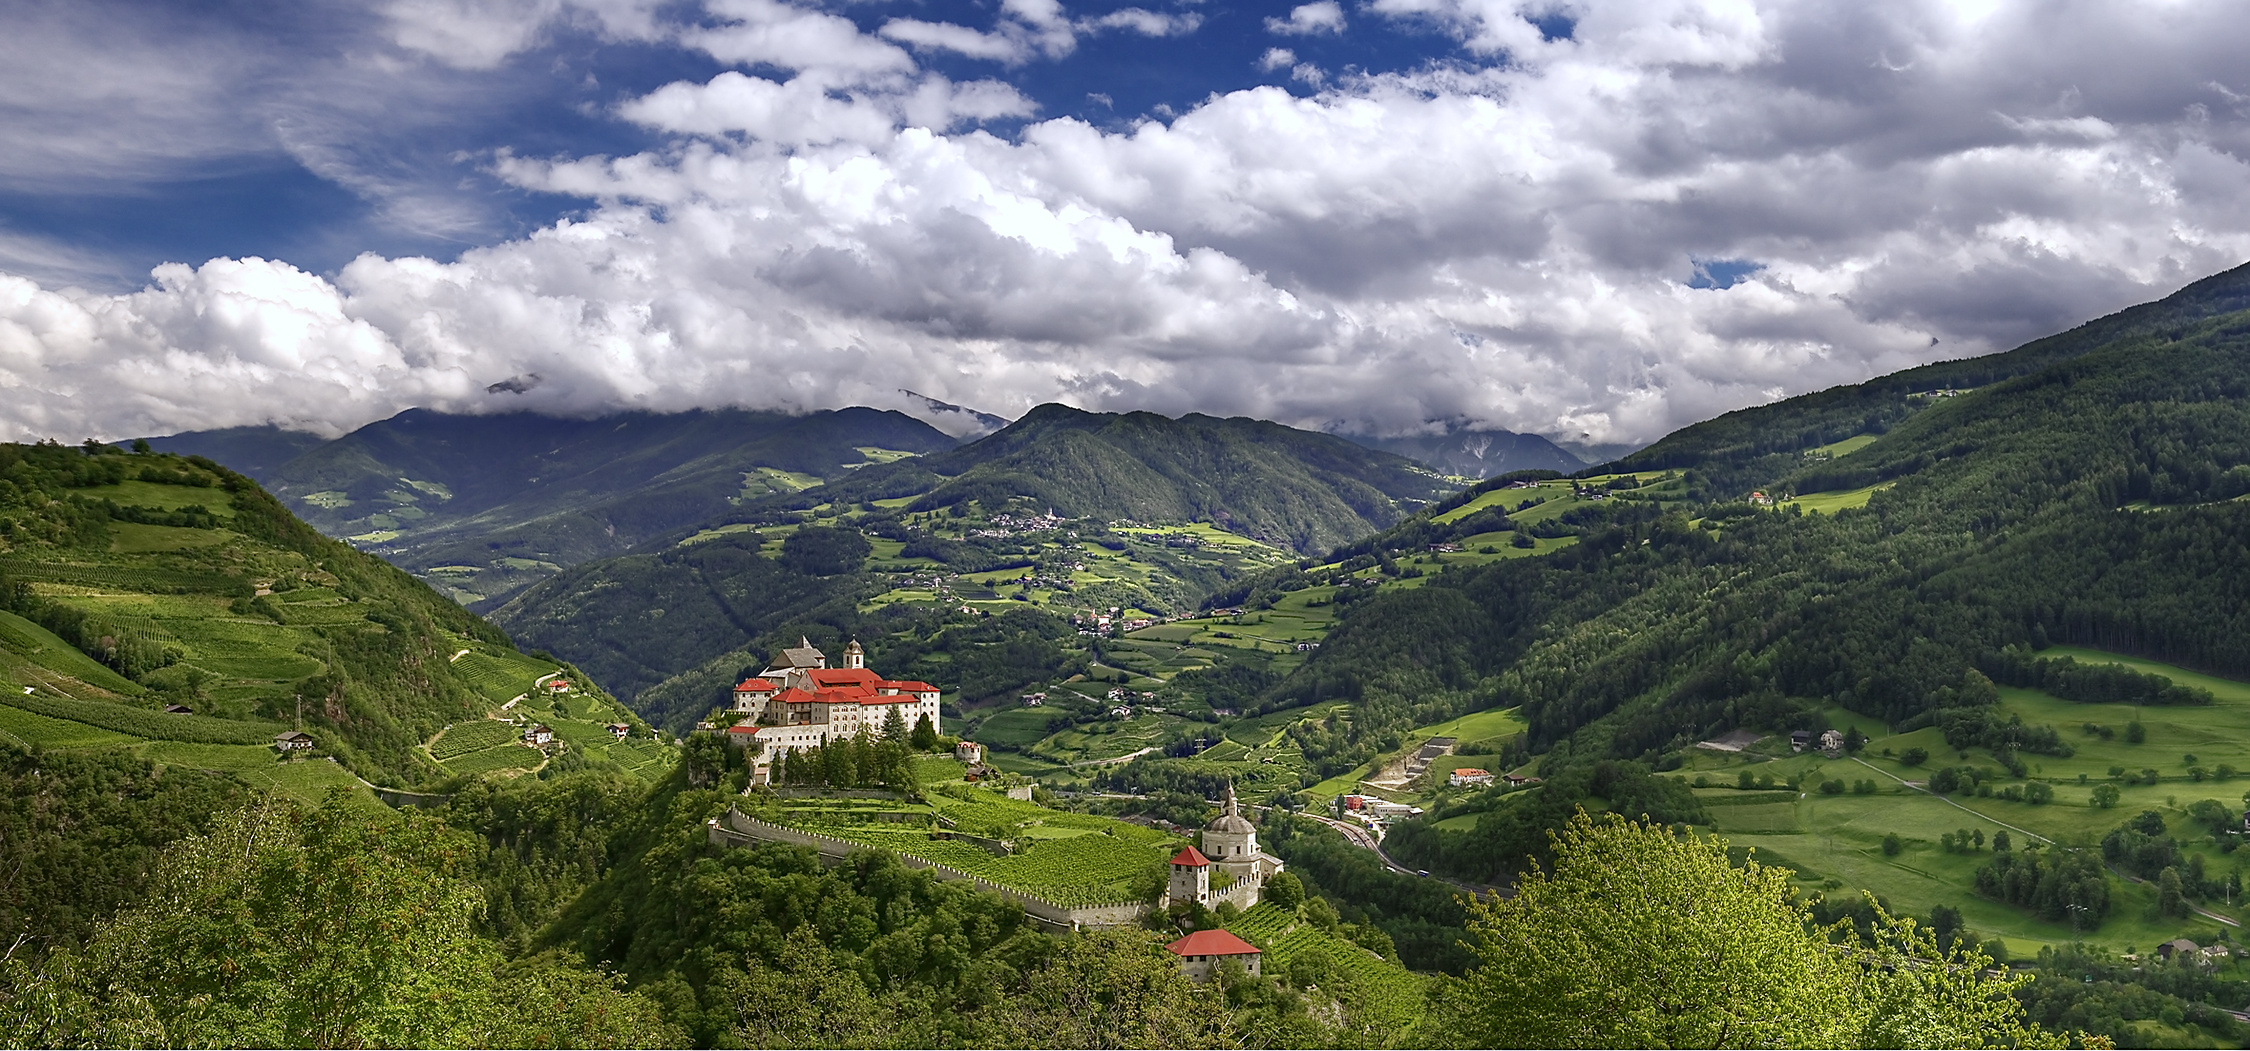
854,656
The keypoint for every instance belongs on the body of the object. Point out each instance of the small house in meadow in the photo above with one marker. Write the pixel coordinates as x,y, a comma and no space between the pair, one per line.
620,731
178,709
1469,775
1798,739
1831,742
969,752
539,735
2177,947
293,741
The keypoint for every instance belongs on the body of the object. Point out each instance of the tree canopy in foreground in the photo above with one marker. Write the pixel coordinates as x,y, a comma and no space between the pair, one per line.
1641,938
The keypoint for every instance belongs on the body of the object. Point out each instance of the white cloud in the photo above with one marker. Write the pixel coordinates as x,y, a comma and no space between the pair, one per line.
1322,16
481,34
1276,58
1505,244
1147,23
770,33
962,40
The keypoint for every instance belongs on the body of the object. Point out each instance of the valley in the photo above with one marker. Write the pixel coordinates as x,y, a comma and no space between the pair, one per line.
1965,641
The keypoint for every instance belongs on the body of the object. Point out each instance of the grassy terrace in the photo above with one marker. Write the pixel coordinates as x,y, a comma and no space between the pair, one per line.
1069,859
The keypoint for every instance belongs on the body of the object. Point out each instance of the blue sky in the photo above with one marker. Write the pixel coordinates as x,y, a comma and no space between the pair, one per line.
557,97
1592,220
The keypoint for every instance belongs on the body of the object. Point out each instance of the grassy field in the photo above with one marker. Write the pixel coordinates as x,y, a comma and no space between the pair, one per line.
1069,859
1830,503
1834,841
1846,447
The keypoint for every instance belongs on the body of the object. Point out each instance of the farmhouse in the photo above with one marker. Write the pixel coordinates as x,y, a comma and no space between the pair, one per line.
178,709
538,735
1469,775
1201,952
293,741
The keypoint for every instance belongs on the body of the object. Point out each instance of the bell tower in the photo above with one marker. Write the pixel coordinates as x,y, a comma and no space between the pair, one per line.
854,657
1191,878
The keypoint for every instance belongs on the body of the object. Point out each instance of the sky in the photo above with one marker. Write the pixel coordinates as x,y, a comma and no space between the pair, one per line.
1596,221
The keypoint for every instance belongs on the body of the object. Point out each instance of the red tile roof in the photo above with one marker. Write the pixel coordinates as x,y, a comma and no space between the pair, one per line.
843,676
755,685
912,686
743,728
1190,856
1212,943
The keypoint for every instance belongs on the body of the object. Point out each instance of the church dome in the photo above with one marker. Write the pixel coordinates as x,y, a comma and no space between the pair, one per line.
1230,819
1234,823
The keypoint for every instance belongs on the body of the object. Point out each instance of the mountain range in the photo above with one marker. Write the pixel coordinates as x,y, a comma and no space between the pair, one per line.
483,506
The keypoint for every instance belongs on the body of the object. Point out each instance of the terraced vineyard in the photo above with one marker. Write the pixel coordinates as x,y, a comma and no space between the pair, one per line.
463,738
1388,996
500,677
504,757
1068,859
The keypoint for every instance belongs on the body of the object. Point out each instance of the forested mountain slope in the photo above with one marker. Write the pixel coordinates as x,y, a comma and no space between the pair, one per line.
687,612
481,506
2090,499
1290,488
1754,446
129,581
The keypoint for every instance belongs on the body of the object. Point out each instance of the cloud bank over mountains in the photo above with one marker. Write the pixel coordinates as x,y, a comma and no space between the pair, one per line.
1596,221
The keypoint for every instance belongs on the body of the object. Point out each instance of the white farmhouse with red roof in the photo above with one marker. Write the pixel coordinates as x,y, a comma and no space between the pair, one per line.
799,701
1200,952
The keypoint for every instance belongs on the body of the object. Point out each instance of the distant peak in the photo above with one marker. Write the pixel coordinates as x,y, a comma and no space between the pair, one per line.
957,421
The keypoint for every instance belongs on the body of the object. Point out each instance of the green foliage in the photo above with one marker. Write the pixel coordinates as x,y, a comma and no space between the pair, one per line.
2067,885
1641,938
824,551
2090,683
82,832
1515,828
1382,1002
280,928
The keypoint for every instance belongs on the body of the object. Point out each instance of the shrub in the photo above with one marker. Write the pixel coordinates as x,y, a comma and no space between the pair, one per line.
1913,757
1892,845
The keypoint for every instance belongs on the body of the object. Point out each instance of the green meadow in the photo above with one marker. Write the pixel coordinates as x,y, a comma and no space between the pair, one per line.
1834,842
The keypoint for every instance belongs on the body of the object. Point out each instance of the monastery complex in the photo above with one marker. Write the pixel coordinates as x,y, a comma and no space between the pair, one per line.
800,702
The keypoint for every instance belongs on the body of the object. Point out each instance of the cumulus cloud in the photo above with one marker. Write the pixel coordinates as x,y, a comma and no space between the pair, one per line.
1510,238
1323,16
1276,58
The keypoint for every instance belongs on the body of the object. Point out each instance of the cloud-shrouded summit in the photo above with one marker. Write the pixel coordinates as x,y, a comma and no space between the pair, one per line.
1597,221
